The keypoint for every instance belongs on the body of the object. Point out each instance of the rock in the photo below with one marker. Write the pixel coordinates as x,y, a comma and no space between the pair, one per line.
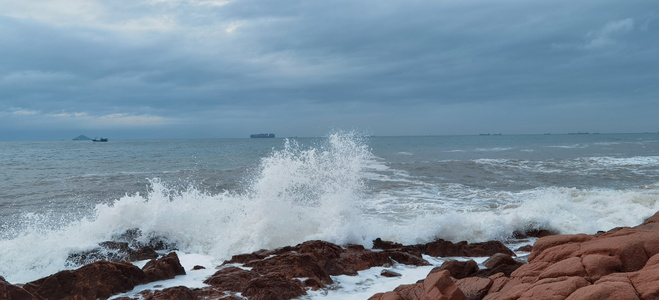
385,245
406,258
499,259
458,269
231,279
12,292
526,248
474,288
166,267
437,286
390,273
273,287
292,265
442,248
198,267
173,293
538,233
98,280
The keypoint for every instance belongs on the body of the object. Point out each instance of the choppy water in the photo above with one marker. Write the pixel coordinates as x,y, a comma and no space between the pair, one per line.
228,196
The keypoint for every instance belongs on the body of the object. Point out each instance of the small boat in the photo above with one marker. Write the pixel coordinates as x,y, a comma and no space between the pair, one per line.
100,140
262,135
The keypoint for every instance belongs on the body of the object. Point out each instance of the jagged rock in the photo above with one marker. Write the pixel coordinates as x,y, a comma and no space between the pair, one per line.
442,248
273,287
98,280
385,245
458,269
166,267
436,286
9,291
474,288
173,293
390,273
231,279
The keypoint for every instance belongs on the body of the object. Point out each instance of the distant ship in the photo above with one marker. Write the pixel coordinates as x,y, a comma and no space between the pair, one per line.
262,135
100,140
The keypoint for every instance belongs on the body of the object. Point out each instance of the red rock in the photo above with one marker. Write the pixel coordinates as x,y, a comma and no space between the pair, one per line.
292,265
442,248
385,245
231,279
12,292
557,240
173,293
526,248
273,287
474,288
437,286
390,273
407,258
499,259
98,280
608,291
458,269
166,267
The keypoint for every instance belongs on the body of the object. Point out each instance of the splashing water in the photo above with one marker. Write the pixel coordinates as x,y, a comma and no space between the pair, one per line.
324,191
299,194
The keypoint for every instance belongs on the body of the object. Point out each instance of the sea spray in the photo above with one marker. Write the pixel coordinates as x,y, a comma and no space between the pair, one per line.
336,189
297,194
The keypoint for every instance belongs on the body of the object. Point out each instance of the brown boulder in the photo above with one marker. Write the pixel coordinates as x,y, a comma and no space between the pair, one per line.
474,288
442,248
437,286
390,273
166,267
291,265
173,293
273,287
458,269
231,279
98,280
12,292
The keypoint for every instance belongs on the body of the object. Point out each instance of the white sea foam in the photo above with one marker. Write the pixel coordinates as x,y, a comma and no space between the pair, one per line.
304,193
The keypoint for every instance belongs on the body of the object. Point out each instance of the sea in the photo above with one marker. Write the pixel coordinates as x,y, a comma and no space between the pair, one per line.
216,198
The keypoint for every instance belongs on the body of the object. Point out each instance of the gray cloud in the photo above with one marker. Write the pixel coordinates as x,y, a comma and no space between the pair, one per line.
227,68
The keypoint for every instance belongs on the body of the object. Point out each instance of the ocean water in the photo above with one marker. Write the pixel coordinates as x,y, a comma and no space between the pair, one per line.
217,198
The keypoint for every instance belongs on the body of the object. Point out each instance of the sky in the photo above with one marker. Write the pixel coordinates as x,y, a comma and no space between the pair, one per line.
151,69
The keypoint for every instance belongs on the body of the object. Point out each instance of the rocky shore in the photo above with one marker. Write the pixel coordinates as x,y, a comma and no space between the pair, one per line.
619,264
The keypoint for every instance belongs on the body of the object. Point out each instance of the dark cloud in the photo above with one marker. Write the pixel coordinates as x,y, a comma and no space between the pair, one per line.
219,69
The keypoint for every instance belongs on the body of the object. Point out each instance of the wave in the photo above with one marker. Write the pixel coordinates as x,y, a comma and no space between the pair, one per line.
322,191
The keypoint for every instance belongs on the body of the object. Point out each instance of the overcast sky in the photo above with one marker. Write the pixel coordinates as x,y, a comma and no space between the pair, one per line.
215,68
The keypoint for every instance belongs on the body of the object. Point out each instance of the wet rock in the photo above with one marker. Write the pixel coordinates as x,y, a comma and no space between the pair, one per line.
385,245
525,248
198,267
474,288
458,269
292,265
166,267
442,248
98,280
537,233
273,287
499,263
231,279
436,286
173,293
390,273
9,291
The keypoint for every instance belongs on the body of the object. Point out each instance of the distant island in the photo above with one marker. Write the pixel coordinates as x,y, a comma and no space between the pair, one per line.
262,135
82,138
